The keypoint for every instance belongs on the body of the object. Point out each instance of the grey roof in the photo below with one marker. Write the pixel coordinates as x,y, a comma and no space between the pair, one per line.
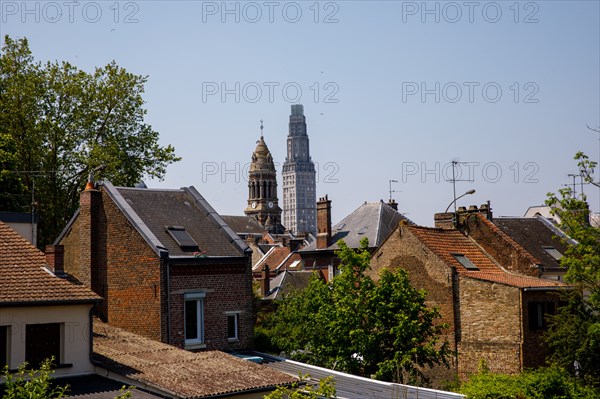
287,282
533,234
152,210
243,224
97,387
349,386
373,220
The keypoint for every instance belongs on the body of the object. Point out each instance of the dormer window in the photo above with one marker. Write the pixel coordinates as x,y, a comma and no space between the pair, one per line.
553,252
182,238
465,262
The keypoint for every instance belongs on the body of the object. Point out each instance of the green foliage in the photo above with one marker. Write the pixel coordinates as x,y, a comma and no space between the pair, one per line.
574,333
37,384
31,383
299,390
58,123
545,383
352,324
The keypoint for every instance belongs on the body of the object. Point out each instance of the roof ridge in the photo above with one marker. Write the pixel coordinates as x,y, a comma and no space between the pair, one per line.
132,216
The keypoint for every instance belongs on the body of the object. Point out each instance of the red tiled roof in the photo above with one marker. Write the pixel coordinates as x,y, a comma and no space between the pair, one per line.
24,278
445,242
292,262
184,374
273,258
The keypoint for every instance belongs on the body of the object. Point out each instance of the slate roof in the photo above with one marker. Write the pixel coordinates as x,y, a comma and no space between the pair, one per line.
24,279
151,210
533,234
373,220
287,282
243,224
181,373
445,242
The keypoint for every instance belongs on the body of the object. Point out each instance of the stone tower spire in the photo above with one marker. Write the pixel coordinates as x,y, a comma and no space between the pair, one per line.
262,188
299,178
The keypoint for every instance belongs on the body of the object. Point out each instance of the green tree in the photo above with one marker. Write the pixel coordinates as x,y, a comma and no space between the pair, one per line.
59,123
574,333
31,384
543,383
381,330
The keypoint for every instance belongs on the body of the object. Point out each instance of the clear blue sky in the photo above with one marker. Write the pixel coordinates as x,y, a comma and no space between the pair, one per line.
391,90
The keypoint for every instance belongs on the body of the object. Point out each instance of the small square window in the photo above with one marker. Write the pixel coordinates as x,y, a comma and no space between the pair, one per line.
465,262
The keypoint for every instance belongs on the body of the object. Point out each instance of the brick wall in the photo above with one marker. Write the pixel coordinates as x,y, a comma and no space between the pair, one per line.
115,261
228,288
499,245
425,271
490,327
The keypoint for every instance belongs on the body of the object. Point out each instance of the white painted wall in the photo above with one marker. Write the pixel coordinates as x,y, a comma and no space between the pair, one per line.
75,334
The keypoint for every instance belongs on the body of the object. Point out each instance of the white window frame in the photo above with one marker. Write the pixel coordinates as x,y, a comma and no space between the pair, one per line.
236,316
197,297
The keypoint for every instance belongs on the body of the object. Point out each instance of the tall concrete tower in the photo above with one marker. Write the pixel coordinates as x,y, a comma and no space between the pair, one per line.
299,178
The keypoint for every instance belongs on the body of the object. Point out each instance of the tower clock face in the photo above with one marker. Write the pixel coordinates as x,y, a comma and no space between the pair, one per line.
253,205
270,204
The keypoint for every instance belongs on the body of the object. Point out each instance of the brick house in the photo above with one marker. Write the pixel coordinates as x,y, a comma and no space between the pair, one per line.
371,220
527,245
493,313
167,265
43,311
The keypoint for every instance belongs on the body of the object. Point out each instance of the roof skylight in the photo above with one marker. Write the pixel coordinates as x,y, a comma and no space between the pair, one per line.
465,262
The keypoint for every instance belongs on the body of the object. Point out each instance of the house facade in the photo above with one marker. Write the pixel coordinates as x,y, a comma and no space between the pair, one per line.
167,265
44,313
371,220
493,314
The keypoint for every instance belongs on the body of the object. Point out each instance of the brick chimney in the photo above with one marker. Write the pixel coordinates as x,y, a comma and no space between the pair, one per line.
266,281
55,259
323,222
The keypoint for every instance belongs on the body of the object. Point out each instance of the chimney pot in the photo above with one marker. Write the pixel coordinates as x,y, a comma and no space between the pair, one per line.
473,208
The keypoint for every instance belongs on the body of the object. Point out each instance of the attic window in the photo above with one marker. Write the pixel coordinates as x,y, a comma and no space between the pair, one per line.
463,260
362,230
553,252
182,238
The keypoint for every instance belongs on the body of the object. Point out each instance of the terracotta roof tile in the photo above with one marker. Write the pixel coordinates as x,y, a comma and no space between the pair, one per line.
185,374
25,279
273,258
445,242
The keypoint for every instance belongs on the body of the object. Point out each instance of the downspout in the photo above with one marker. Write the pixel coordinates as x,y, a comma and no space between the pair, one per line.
522,338
91,331
164,260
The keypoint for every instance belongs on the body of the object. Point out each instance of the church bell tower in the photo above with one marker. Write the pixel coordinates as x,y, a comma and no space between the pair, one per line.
262,188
